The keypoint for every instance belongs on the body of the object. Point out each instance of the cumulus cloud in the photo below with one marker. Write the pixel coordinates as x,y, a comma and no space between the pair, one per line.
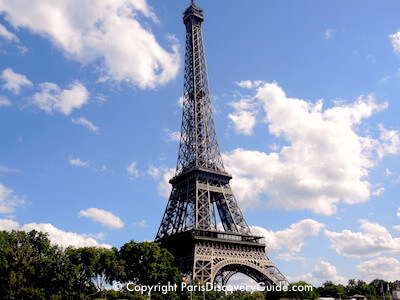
64,238
395,38
4,102
387,268
8,225
292,238
248,84
288,256
321,273
397,228
7,35
244,121
14,81
107,32
162,175
141,224
180,101
373,240
390,142
103,217
86,123
172,136
8,201
56,236
52,98
132,171
164,187
76,161
153,171
326,159
244,117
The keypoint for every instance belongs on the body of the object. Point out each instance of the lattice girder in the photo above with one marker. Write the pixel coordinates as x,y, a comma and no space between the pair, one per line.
195,200
201,196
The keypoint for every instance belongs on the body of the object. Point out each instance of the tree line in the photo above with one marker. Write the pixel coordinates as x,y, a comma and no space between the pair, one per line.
32,268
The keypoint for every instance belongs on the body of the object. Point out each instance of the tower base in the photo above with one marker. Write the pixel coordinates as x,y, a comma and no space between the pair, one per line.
215,256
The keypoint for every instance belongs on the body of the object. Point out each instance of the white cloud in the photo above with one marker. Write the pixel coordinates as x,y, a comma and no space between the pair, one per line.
8,225
321,273
172,136
103,168
244,121
373,240
76,161
9,36
14,81
52,98
100,99
248,84
64,238
4,169
132,171
153,171
397,228
106,32
329,33
378,192
395,38
288,256
326,160
86,123
141,224
57,236
162,175
103,217
398,212
292,238
164,187
180,101
386,268
98,236
390,142
4,102
244,117
8,201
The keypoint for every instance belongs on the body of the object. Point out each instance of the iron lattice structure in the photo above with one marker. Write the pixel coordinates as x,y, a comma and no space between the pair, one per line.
201,196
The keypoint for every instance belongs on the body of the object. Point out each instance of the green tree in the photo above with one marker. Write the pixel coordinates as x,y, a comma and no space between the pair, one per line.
359,287
93,268
377,285
329,289
148,264
301,290
30,267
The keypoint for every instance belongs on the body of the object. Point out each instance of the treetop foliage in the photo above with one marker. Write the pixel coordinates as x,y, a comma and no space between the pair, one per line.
32,268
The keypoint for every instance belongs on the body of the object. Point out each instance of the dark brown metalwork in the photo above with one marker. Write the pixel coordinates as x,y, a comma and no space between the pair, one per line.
201,196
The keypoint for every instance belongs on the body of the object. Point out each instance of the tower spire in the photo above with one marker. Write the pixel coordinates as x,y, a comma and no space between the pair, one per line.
198,144
201,196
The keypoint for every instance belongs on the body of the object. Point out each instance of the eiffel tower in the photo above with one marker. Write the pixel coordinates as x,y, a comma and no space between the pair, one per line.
203,226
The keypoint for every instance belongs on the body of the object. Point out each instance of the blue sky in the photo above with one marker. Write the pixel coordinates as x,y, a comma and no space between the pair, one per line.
306,98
